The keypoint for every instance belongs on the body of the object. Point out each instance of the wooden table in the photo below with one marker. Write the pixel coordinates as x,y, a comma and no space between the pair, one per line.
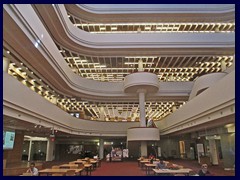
171,171
88,168
149,167
69,166
143,162
77,162
61,171
94,163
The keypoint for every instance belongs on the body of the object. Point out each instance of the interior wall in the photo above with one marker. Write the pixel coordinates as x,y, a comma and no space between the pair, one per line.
72,152
134,149
228,150
15,155
169,147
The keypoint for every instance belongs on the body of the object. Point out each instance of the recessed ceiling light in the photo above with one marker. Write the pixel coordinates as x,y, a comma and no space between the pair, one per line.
36,44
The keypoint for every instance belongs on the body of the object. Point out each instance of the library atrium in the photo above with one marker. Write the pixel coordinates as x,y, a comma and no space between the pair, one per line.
115,83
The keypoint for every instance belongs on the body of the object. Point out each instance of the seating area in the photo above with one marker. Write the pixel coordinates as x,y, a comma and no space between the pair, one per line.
119,89
80,167
171,168
131,168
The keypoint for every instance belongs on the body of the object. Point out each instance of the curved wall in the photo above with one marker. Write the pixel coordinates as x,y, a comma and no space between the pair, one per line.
143,134
153,40
19,99
215,103
204,82
157,8
75,85
141,80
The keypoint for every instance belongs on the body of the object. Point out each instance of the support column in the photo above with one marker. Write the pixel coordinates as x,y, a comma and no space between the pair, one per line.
174,108
228,150
140,65
171,77
101,148
213,151
54,100
144,148
6,63
141,93
223,66
29,150
50,150
101,113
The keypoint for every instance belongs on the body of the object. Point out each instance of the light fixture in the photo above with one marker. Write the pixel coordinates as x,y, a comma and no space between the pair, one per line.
129,63
81,61
102,28
114,28
139,30
36,44
100,66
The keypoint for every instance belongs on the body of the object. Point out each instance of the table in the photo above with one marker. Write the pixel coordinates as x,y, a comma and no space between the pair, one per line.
143,162
94,163
69,166
88,168
77,162
171,171
149,167
62,171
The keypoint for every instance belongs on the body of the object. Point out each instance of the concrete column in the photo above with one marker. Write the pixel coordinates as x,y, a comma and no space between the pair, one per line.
50,150
171,78
29,150
6,63
101,148
228,150
144,148
54,100
101,113
142,107
140,65
223,66
233,65
174,108
213,151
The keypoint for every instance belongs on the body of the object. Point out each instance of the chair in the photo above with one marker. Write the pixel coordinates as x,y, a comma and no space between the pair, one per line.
55,167
26,174
57,174
180,167
70,173
71,162
74,167
80,166
179,174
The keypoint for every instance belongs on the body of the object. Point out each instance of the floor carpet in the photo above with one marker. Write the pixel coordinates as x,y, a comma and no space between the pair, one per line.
130,168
